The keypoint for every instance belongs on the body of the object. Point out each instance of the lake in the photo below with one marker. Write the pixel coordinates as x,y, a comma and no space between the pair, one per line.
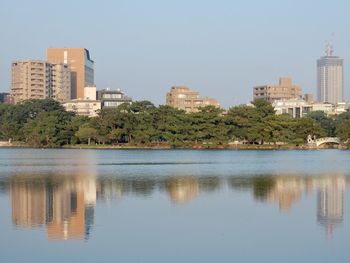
174,206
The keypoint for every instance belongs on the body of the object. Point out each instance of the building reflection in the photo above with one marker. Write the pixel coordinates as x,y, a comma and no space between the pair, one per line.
182,190
287,190
330,203
28,202
65,204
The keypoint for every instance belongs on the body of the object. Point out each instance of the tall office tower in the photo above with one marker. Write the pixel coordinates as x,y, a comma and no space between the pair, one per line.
29,80
330,77
36,79
81,65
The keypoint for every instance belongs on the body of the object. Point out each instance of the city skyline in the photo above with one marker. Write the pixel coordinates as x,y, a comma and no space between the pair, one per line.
146,49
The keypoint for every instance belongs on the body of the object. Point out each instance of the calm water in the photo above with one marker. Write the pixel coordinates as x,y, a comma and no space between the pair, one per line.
174,206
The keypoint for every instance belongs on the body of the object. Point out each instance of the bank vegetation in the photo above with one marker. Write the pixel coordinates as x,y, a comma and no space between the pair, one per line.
45,123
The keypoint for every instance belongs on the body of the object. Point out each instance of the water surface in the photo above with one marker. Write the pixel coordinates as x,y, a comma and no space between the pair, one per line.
174,206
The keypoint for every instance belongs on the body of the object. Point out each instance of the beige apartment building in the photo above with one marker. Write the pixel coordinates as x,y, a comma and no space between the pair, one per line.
29,80
36,79
285,89
81,66
184,98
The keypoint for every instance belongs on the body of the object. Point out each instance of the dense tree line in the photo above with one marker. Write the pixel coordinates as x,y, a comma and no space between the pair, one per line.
46,123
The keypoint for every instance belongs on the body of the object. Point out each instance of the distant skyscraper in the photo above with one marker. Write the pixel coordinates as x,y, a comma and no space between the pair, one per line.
330,77
81,65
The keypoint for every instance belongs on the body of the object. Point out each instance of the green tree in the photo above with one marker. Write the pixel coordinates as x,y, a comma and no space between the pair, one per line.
327,123
343,130
87,133
47,129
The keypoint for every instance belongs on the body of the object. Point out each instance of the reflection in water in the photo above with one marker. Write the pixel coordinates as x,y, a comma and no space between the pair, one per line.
330,203
182,190
65,204
28,202
286,191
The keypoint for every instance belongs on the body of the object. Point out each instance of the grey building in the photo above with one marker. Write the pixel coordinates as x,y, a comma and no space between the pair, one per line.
112,98
4,97
330,77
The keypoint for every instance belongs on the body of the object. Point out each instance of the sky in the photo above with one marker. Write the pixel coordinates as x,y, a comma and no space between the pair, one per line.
220,48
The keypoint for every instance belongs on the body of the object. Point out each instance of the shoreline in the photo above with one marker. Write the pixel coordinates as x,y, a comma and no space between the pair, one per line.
169,147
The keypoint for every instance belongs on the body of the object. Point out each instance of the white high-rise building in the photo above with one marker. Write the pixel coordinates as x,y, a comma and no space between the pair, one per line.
330,77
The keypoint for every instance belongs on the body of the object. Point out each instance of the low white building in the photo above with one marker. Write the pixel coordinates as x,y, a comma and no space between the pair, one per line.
327,108
298,108
88,106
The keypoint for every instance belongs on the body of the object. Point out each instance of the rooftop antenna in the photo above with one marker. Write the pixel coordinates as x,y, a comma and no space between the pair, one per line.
329,46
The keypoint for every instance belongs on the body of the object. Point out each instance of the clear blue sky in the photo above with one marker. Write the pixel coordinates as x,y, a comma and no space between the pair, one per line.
221,48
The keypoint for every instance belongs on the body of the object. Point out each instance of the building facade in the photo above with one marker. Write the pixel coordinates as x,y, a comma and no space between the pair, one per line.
81,65
112,98
36,79
29,80
86,106
285,89
330,78
183,98
296,108
60,82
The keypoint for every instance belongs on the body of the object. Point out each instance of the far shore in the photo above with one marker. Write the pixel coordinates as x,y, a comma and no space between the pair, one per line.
186,147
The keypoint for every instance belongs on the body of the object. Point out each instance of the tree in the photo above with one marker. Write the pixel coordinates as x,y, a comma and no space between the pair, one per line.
343,130
47,129
327,123
87,133
306,126
264,108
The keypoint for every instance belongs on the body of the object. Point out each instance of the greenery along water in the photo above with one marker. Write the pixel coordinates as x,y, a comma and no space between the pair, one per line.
46,123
